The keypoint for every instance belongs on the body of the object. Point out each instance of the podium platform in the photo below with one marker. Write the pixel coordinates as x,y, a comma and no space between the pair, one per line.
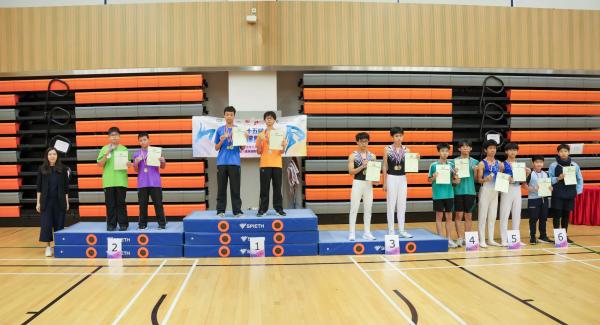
89,240
337,243
208,235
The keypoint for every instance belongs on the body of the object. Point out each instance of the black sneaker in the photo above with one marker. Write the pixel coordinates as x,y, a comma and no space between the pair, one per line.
281,213
569,240
221,214
532,241
122,228
544,240
111,228
260,213
238,214
162,227
142,227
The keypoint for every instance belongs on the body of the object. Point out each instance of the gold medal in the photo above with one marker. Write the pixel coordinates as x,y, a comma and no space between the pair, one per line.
229,147
397,167
145,170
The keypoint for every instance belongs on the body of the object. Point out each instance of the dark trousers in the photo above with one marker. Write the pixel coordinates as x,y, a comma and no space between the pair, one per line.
270,175
538,211
53,219
116,208
560,218
155,193
231,173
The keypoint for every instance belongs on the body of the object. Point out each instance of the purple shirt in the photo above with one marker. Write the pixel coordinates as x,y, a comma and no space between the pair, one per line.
148,176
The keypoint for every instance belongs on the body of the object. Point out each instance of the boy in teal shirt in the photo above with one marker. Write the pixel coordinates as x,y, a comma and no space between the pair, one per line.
464,192
114,182
443,193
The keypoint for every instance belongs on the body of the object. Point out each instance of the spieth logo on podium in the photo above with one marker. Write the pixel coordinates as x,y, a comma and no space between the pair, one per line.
252,226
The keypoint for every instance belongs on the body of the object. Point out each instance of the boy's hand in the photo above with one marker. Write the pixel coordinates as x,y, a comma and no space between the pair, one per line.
489,178
385,187
510,179
537,188
129,164
138,159
365,163
561,177
110,149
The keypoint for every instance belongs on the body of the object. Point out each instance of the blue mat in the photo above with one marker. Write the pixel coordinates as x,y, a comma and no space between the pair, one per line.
290,237
337,243
208,221
133,251
244,250
95,233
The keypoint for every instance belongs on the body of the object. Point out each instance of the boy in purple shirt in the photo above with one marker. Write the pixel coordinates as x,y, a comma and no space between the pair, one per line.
149,184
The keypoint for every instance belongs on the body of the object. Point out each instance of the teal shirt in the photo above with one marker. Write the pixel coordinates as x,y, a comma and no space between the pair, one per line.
442,191
467,185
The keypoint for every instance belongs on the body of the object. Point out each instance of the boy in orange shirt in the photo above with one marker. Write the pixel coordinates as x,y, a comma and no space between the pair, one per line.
270,166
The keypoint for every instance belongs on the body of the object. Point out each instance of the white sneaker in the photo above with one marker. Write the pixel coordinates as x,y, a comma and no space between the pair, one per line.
493,243
460,242
48,251
523,244
368,236
351,236
405,234
451,244
391,232
483,244
504,244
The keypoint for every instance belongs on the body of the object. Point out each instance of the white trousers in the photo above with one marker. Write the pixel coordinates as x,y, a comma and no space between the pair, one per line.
488,210
510,203
396,200
361,190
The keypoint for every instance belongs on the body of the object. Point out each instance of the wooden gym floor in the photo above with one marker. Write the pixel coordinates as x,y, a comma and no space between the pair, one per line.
535,285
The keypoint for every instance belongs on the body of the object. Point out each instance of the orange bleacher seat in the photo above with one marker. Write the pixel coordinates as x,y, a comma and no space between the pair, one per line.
346,179
554,109
8,100
554,95
345,150
165,139
378,108
550,149
377,93
135,125
9,212
343,194
564,135
9,128
149,96
379,136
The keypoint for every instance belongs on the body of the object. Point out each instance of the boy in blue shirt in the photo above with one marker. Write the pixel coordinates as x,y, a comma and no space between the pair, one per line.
538,206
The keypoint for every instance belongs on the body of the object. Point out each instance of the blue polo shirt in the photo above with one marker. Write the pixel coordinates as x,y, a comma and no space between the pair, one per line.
228,154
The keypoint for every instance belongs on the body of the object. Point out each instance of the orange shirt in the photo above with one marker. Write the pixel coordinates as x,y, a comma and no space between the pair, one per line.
269,158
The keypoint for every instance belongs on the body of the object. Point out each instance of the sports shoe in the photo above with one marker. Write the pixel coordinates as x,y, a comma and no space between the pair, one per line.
238,214
351,236
493,243
368,236
460,242
142,227
281,213
48,251
569,240
221,215
260,213
483,244
451,244
532,241
544,240
405,234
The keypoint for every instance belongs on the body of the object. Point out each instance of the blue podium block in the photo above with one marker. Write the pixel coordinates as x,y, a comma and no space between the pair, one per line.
132,251
337,243
208,221
271,238
95,233
244,250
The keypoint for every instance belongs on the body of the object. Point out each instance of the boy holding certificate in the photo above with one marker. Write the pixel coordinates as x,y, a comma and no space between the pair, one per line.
567,183
114,160
440,174
394,181
510,202
362,188
538,200
464,190
228,164
146,163
487,170
270,144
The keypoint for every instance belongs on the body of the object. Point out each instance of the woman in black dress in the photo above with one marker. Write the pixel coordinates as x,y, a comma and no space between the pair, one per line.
52,196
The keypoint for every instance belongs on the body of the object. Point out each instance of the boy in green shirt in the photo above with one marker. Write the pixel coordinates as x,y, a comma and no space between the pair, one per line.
464,191
440,177
114,182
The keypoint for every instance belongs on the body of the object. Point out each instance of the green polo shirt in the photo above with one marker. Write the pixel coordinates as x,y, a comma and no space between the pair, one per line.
467,184
110,176
442,191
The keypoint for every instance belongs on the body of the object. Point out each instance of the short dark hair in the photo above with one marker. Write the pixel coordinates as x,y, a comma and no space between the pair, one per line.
362,135
489,143
229,109
395,130
443,145
143,134
537,157
271,114
464,143
113,130
563,146
511,146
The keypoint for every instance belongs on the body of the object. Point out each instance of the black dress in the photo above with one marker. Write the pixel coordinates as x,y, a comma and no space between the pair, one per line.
53,204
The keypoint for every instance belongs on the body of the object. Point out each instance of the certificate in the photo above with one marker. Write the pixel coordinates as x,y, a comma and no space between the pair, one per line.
518,170
373,171
502,182
570,178
121,159
464,167
153,158
276,140
443,174
239,137
544,185
411,162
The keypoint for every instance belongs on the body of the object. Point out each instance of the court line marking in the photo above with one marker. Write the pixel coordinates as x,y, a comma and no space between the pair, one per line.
579,261
138,293
427,293
99,274
479,265
385,295
181,288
